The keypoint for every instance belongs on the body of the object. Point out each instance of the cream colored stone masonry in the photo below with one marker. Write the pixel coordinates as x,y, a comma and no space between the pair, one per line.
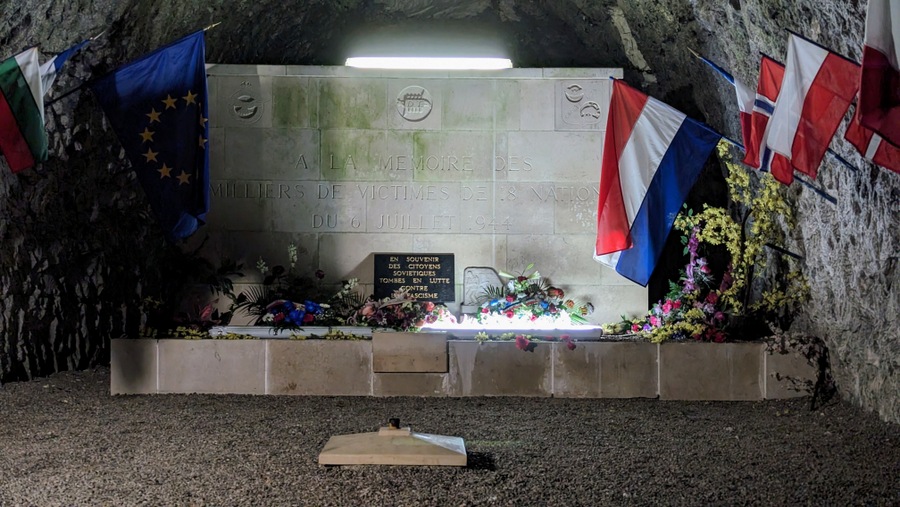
499,168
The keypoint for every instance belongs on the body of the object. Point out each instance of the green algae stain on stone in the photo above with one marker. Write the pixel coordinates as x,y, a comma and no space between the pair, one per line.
290,102
353,104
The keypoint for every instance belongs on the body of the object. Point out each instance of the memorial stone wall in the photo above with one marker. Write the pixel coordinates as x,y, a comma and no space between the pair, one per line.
498,168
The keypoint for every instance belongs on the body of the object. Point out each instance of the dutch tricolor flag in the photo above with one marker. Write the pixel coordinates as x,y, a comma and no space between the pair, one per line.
652,156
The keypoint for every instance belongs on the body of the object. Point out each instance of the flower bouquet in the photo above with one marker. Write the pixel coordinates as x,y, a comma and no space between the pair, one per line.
528,299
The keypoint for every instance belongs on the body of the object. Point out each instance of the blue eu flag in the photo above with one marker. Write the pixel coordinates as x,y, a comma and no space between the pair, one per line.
157,106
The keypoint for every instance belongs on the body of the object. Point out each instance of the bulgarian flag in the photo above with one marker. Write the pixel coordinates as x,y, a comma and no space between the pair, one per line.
22,138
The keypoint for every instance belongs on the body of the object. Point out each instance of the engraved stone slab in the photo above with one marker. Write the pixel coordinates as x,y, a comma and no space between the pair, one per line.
476,280
582,104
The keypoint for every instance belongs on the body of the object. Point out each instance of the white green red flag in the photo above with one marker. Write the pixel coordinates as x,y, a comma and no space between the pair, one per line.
23,140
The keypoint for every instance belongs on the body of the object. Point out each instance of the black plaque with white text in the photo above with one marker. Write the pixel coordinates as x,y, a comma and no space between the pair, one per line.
426,277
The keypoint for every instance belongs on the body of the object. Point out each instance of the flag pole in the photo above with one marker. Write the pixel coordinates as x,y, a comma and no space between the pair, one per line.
91,81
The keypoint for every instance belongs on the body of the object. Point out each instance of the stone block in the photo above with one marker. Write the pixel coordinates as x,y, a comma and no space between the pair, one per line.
785,365
410,384
287,154
242,101
468,105
397,352
576,373
212,366
605,370
351,255
291,102
359,103
556,156
415,104
710,371
132,366
537,107
499,369
319,367
628,369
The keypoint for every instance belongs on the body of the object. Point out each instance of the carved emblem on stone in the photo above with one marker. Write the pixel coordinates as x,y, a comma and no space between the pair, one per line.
244,105
579,105
475,281
414,103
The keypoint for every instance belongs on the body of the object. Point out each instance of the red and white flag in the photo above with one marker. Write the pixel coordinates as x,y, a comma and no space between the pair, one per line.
879,83
758,154
816,92
871,146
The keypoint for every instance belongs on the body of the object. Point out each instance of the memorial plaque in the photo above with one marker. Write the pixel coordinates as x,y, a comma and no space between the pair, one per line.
427,277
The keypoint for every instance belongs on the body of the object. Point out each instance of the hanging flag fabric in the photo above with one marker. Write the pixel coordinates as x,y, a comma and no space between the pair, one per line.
871,146
879,81
23,140
745,99
50,68
157,106
817,89
758,155
652,156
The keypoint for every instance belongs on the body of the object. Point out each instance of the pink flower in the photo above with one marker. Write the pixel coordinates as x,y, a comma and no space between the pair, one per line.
522,343
654,321
510,298
719,316
429,306
635,328
485,310
509,314
667,307
704,269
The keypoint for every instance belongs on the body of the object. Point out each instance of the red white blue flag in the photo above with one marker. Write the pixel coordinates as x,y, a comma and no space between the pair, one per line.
817,89
871,146
879,83
758,155
652,156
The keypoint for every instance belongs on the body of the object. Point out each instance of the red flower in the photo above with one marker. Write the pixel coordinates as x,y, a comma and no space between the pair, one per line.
510,298
485,310
279,317
509,314
308,318
712,298
676,304
525,344
570,344
521,278
429,306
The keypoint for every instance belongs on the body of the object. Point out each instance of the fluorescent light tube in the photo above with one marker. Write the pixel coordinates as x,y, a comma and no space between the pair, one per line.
379,62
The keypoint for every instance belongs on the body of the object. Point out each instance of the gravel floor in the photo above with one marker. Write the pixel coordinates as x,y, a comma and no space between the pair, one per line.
65,441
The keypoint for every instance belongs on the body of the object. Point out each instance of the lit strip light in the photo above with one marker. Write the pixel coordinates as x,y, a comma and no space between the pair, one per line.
392,62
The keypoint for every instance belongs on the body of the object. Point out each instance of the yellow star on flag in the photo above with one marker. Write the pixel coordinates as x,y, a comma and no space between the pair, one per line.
202,142
151,155
146,135
169,102
189,98
164,171
153,115
203,121
184,178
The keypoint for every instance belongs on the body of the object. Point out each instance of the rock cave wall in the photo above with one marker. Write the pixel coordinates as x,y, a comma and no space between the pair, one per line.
78,247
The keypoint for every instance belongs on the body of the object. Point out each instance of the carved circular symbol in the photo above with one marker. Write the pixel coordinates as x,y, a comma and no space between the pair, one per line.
591,112
245,107
414,103
574,93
